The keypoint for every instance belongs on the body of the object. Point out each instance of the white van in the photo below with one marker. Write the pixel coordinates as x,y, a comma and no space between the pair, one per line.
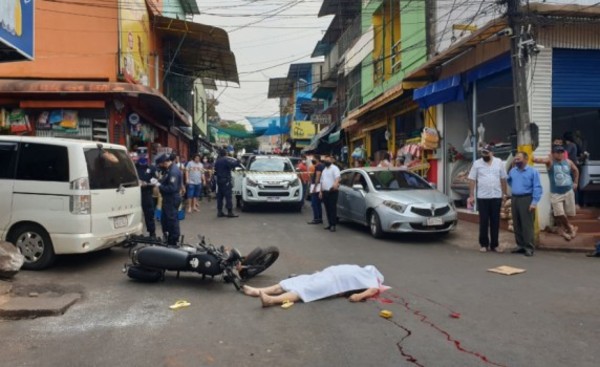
63,196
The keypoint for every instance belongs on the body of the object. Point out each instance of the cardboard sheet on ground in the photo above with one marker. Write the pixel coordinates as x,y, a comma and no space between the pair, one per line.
506,270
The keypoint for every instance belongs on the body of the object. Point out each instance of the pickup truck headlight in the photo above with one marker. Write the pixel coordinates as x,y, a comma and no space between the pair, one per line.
251,183
295,183
394,205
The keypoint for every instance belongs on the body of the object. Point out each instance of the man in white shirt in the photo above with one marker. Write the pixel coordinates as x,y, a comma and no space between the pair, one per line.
488,176
330,185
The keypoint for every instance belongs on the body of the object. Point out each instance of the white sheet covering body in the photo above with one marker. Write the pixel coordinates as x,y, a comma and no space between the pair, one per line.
332,281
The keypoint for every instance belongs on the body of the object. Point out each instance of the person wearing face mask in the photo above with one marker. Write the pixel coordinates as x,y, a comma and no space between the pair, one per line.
330,185
527,191
315,189
487,179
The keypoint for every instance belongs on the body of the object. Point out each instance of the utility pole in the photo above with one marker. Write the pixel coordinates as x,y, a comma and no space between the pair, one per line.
519,60
430,26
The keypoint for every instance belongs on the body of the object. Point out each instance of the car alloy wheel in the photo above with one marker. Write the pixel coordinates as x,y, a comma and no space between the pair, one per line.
375,225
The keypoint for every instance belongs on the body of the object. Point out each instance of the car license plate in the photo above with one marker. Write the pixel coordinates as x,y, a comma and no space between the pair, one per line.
273,199
121,221
434,222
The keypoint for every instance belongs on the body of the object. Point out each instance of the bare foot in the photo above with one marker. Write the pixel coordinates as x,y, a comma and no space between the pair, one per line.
266,300
250,291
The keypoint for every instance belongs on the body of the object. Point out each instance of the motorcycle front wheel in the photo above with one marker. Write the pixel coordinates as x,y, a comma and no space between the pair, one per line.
258,261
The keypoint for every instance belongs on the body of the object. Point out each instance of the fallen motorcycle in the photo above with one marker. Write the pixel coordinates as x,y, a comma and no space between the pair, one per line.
152,257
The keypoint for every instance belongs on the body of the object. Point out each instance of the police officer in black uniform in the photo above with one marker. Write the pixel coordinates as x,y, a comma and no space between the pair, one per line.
223,167
148,177
170,189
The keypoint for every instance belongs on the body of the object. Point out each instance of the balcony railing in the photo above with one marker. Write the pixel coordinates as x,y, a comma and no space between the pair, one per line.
350,35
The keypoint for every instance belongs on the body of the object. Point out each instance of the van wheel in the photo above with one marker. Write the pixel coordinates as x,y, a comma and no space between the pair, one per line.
35,244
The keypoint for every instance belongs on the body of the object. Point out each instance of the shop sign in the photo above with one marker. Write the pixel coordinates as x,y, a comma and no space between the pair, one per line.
321,119
16,26
134,41
302,130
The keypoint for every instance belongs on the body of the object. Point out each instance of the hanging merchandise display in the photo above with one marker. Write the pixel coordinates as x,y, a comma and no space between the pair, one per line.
3,118
43,121
359,153
138,130
19,123
69,120
430,139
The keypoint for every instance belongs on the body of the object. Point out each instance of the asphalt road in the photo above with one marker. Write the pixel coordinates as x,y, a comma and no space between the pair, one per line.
548,316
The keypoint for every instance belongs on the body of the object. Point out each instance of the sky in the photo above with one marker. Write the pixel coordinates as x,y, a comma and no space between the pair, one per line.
265,36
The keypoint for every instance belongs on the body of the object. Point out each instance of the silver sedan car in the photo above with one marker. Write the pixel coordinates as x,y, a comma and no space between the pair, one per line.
395,201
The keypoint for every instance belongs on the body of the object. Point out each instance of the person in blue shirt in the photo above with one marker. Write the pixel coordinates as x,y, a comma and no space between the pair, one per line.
170,186
148,179
527,191
223,167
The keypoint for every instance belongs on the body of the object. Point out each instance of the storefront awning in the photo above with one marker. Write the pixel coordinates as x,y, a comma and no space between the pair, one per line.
154,102
200,50
374,104
442,91
319,139
280,88
489,68
335,137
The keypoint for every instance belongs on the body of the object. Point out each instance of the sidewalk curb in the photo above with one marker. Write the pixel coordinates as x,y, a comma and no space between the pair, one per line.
32,307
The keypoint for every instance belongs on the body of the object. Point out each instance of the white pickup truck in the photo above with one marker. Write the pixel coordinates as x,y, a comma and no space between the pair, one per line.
268,180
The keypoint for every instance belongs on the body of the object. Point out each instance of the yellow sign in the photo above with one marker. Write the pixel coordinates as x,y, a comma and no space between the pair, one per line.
134,26
302,130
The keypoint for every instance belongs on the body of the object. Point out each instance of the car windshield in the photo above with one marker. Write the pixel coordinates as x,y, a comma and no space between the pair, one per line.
271,165
397,180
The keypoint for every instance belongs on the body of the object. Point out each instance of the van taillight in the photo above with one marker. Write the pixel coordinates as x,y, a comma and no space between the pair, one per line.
82,183
81,204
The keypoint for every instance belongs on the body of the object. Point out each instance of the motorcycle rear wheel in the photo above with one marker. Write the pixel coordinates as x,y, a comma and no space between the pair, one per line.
258,261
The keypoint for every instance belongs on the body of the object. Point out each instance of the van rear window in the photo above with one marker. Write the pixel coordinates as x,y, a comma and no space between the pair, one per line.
110,168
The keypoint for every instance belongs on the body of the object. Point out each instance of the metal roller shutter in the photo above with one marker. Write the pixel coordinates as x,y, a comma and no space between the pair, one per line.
575,78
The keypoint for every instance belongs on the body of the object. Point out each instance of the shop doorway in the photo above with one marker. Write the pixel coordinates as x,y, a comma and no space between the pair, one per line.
378,141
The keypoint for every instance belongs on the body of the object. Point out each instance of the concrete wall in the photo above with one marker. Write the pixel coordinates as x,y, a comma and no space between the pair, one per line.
71,42
200,107
412,35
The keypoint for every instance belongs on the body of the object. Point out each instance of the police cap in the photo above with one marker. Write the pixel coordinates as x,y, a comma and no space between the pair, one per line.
163,158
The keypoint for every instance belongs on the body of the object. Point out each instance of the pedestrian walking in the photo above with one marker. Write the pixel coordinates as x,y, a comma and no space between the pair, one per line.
148,180
330,185
527,191
487,181
315,190
223,167
170,189
194,180
563,175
